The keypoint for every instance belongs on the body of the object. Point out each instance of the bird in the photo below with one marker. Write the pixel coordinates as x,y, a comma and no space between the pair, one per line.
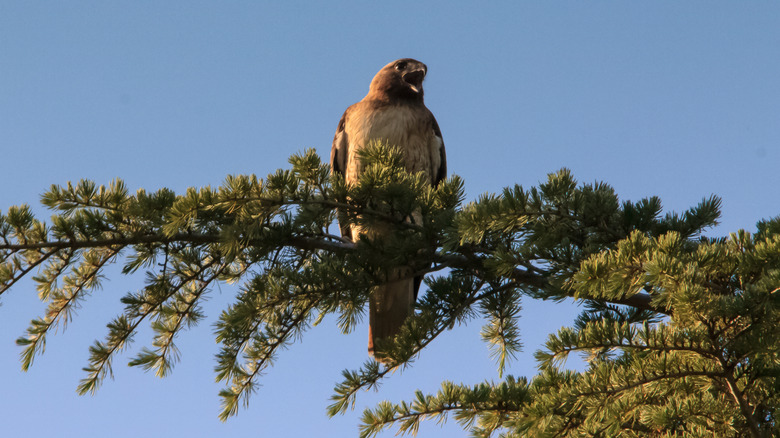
392,112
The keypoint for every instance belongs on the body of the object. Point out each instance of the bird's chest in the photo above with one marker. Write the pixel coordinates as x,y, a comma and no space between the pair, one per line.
405,128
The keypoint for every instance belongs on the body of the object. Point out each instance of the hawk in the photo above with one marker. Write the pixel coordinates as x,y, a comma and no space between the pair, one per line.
392,112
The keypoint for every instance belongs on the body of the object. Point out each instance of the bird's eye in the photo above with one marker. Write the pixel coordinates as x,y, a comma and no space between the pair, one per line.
400,66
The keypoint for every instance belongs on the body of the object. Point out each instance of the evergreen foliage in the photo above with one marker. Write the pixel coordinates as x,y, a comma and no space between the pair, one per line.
681,332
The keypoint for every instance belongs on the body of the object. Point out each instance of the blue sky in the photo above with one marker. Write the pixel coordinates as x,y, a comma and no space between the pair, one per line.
675,99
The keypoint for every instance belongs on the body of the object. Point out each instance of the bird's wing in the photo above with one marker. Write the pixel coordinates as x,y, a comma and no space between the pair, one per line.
440,173
338,164
338,152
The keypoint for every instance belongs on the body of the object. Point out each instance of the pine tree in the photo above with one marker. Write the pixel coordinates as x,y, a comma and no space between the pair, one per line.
681,332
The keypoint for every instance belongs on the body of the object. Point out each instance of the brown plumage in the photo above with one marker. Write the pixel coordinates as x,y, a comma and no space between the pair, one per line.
393,111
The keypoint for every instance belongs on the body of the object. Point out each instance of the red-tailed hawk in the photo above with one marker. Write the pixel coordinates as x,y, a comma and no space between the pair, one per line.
393,112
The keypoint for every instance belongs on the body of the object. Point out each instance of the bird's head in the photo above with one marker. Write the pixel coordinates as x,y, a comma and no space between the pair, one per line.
402,78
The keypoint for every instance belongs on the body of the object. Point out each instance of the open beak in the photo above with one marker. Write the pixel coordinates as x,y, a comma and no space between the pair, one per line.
415,79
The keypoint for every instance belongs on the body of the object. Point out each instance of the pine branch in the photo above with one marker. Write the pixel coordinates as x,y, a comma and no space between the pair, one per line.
60,304
12,278
523,276
243,382
488,405
649,282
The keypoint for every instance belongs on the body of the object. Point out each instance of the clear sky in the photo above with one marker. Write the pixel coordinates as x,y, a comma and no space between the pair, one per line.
668,98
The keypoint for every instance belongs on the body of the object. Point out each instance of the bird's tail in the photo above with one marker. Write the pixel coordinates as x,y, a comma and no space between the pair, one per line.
389,306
